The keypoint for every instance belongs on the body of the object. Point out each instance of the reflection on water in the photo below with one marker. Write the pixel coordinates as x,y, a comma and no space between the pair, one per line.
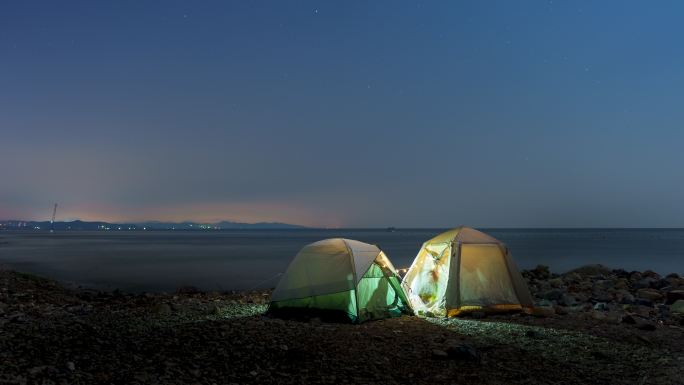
243,259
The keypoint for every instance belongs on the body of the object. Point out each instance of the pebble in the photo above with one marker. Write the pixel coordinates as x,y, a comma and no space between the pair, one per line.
532,334
463,352
161,308
598,315
439,354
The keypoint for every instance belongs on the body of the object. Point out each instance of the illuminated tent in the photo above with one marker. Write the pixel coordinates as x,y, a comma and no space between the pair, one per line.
464,270
340,279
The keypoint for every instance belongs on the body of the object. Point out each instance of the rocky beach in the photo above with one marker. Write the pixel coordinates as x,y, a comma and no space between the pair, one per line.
590,325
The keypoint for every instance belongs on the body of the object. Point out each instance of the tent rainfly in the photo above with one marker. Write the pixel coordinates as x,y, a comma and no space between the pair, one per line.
464,270
340,279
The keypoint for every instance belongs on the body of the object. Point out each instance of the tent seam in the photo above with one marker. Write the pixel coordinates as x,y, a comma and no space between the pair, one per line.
356,284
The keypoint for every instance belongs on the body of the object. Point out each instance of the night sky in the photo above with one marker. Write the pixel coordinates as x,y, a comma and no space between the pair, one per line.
354,114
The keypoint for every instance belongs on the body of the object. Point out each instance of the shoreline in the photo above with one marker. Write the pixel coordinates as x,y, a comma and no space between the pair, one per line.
269,285
163,261
586,329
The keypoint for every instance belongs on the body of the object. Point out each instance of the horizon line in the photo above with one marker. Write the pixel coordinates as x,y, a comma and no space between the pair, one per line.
490,227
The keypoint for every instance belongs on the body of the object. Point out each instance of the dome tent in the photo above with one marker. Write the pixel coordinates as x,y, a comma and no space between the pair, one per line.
464,270
340,279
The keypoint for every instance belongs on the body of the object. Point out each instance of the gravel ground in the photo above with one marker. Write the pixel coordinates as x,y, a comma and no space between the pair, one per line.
53,335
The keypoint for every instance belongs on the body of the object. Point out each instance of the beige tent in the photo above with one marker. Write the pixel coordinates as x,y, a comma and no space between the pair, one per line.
340,279
464,270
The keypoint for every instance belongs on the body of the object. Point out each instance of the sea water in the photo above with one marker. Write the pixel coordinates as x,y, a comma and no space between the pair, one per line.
246,259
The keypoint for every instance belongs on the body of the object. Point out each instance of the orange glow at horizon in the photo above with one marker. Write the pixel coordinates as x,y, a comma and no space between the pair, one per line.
199,212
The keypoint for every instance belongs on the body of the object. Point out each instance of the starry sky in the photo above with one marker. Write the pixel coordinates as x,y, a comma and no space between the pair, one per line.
344,113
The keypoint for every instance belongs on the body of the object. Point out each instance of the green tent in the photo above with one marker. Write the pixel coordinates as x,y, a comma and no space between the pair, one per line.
340,279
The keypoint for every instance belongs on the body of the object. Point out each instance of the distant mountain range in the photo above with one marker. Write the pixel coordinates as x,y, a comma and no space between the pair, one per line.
150,225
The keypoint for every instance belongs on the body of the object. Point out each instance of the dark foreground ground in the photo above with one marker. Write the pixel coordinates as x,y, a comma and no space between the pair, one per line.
593,326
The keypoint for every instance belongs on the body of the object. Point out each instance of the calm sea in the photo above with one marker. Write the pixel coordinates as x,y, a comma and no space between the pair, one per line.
245,259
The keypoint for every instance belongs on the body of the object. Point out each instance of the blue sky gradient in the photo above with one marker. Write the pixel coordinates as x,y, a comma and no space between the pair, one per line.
384,113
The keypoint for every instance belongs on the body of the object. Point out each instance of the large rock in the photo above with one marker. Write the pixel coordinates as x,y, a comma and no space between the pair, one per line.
543,303
543,311
678,307
621,273
651,273
213,309
601,296
613,317
621,284
674,296
553,294
644,283
541,272
640,310
643,302
649,294
603,284
646,325
625,297
567,300
585,285
591,270
598,315
571,278
664,311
